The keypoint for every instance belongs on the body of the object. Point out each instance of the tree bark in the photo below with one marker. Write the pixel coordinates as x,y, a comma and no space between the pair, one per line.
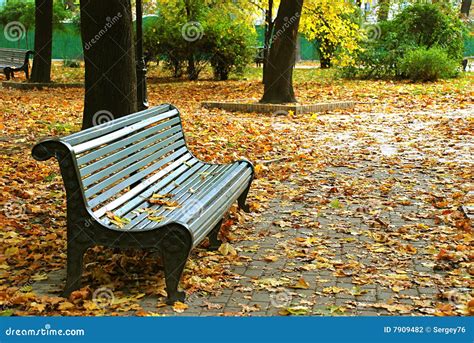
269,23
109,56
465,7
278,83
41,71
192,70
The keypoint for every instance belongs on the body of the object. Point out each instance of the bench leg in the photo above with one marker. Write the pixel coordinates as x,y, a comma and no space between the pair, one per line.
7,71
175,249
75,254
242,200
214,242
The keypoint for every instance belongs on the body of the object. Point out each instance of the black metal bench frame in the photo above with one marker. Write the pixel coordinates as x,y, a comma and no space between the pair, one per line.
84,230
9,69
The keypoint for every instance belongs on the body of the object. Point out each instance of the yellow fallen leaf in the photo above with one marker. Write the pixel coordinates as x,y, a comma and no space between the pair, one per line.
37,307
301,284
65,306
179,307
11,251
227,249
90,305
333,290
40,276
295,311
271,258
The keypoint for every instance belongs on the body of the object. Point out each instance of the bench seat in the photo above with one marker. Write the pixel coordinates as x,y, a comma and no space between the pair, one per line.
133,183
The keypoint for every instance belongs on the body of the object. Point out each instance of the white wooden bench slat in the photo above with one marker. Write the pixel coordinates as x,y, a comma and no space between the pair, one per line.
177,179
137,137
177,158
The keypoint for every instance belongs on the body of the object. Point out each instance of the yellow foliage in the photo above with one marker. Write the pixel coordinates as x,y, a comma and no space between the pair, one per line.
330,21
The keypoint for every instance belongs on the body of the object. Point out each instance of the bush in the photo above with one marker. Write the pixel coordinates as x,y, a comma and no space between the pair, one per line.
189,35
431,64
230,45
430,25
424,26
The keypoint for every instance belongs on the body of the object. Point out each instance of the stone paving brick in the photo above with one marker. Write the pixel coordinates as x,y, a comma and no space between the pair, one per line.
345,235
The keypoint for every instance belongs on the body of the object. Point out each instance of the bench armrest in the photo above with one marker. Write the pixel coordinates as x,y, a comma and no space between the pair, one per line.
46,149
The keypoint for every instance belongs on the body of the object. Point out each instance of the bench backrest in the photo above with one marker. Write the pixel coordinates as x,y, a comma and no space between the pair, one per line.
13,57
119,160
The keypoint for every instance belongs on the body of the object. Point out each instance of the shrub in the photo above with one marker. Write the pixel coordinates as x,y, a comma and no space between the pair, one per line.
418,26
431,64
430,25
230,45
189,35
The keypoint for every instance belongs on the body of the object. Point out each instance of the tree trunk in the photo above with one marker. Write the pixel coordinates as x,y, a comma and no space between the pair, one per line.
192,70
465,7
278,86
269,23
41,71
383,10
325,62
326,52
109,56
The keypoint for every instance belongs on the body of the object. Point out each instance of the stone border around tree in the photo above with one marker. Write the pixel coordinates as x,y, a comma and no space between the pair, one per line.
277,108
35,85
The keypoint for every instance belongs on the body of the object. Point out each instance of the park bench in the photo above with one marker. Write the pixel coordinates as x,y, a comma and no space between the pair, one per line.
465,63
12,60
133,183
259,56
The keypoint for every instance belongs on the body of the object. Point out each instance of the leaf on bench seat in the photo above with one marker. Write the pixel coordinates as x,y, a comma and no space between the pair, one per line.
116,220
156,218
162,196
158,199
204,176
